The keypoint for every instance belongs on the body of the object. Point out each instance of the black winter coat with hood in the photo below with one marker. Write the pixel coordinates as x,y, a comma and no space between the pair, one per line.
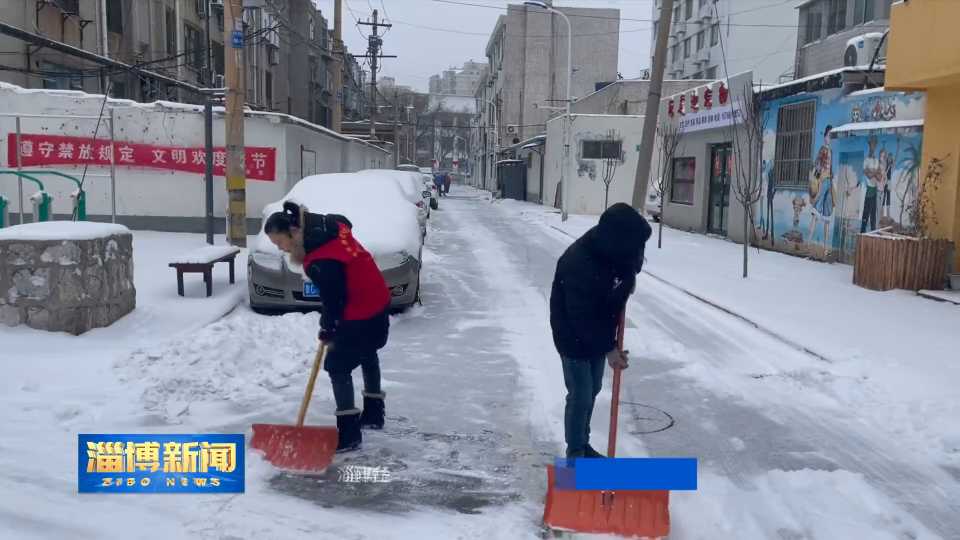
594,279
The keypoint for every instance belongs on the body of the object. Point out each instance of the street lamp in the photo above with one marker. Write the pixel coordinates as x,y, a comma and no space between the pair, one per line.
566,118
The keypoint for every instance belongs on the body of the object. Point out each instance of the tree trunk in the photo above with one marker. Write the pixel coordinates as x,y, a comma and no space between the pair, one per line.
746,238
660,229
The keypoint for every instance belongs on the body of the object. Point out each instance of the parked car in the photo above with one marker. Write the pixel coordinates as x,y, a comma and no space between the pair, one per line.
383,222
408,167
653,206
432,188
410,183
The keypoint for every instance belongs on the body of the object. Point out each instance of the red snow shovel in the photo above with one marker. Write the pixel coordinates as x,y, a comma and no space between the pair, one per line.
630,514
298,448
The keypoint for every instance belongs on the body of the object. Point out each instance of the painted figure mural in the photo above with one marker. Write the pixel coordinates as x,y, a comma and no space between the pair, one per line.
860,179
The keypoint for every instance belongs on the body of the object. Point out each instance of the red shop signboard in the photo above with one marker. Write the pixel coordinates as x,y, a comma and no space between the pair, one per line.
40,150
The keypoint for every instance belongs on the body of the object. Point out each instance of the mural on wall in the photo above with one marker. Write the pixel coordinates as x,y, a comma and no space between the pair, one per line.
857,180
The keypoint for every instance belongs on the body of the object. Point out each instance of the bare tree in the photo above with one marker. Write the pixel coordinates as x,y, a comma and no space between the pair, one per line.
611,160
747,138
669,136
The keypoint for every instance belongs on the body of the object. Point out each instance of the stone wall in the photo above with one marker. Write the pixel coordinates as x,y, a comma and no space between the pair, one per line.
66,285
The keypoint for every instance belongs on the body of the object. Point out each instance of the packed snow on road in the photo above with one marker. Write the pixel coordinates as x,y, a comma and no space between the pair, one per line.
816,410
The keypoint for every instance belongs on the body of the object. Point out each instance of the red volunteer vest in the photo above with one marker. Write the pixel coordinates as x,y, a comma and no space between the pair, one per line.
367,292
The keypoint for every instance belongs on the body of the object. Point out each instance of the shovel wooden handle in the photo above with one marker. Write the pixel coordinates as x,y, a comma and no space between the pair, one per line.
615,397
310,383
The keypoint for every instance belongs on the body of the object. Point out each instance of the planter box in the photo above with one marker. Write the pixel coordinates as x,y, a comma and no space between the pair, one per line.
883,262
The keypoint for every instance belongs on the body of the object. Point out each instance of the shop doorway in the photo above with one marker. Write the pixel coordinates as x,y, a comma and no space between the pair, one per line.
718,201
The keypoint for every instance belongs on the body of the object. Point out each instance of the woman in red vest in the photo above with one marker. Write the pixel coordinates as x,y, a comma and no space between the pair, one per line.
354,323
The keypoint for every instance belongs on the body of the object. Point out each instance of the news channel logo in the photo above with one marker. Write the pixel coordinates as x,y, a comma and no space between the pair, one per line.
168,463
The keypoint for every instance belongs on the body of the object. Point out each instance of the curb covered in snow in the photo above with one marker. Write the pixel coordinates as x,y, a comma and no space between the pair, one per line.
726,310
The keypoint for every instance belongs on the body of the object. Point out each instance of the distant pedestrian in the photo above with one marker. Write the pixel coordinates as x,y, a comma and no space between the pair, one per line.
438,182
595,277
447,178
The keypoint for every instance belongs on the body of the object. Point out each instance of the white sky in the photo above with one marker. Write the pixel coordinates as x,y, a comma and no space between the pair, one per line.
452,34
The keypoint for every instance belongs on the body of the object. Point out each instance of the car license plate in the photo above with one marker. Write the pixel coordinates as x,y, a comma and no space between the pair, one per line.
310,290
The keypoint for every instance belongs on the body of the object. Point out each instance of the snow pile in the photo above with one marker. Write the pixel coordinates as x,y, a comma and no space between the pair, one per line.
382,221
806,504
62,230
205,255
243,359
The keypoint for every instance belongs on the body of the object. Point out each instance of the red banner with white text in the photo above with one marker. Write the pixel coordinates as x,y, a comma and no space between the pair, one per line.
40,150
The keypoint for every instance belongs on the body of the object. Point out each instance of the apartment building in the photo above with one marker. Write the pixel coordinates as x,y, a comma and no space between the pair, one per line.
715,39
830,28
288,57
527,57
459,81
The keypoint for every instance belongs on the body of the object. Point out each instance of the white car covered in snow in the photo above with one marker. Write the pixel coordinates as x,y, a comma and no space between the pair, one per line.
412,185
384,222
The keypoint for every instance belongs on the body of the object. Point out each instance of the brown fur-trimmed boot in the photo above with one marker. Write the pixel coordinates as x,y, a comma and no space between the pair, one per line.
374,410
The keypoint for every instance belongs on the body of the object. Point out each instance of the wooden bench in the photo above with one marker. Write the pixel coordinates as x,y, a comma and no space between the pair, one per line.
201,261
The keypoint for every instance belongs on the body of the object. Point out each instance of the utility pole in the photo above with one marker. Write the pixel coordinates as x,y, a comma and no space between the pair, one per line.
208,122
104,44
373,53
236,154
648,136
337,65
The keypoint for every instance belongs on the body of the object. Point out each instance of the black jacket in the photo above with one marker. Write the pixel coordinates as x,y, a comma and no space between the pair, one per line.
595,277
330,278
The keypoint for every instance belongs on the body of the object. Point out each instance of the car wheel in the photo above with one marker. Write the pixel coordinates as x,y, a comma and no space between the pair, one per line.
656,219
262,310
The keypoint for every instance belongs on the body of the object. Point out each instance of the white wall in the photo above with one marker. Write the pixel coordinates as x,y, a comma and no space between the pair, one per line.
165,195
587,194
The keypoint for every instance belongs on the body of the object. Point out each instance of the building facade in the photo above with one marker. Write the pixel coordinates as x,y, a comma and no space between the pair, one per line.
829,28
526,77
626,96
923,56
288,58
712,39
458,82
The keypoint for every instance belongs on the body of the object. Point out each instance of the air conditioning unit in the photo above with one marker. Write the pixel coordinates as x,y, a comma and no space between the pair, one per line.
860,50
216,3
513,129
219,81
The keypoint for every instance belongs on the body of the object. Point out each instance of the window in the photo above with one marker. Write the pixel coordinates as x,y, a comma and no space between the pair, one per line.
57,77
701,4
218,58
711,73
656,26
697,76
863,11
885,8
268,89
682,184
219,13
676,14
794,144
686,48
194,48
673,53
118,90
69,6
687,10
836,16
115,16
814,23
700,39
601,149
714,34
171,27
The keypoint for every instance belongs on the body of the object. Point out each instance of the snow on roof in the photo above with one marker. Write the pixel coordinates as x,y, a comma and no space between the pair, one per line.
877,67
62,230
870,126
867,91
384,222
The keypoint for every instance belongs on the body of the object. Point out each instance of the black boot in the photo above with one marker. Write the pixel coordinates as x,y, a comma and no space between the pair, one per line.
373,410
348,426
589,452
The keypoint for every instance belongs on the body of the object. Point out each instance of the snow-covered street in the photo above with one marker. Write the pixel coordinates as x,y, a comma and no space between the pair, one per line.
790,445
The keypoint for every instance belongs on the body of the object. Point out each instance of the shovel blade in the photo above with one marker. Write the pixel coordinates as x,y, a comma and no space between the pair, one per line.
296,448
629,514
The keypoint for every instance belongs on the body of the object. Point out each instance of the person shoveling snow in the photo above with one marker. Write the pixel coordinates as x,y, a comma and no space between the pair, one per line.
594,279
354,323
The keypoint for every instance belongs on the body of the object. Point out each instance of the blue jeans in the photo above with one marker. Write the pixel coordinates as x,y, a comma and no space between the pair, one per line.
583,379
